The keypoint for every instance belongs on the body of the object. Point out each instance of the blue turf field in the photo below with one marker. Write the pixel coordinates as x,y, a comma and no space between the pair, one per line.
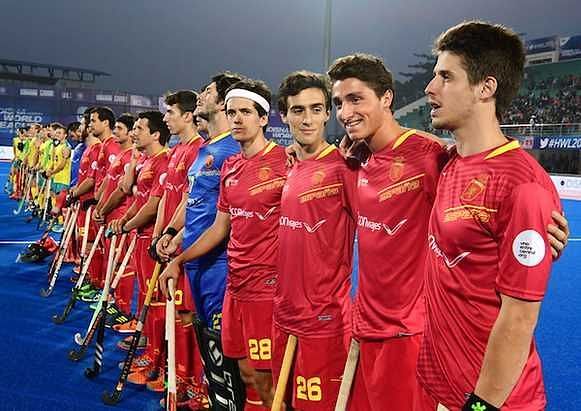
36,374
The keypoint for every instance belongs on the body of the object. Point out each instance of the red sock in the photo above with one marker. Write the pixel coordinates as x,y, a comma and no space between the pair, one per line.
253,401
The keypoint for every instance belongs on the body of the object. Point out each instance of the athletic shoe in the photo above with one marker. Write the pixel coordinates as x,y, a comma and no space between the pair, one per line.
157,384
91,297
140,377
139,362
118,318
57,228
127,328
125,343
189,397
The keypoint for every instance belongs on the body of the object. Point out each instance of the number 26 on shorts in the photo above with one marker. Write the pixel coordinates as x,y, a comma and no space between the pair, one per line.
309,389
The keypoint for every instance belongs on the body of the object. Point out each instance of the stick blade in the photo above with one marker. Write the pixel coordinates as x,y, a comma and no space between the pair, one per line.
111,398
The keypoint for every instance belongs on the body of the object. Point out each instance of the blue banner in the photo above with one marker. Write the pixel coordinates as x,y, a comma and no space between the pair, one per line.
557,143
570,48
23,106
541,45
277,130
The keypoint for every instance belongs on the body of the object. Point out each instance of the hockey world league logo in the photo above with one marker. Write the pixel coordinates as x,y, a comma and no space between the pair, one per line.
215,354
396,169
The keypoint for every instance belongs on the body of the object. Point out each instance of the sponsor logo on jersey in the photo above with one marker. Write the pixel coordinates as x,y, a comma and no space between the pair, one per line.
181,166
468,212
451,263
298,225
396,169
112,158
364,222
269,185
240,212
476,187
408,185
319,193
528,248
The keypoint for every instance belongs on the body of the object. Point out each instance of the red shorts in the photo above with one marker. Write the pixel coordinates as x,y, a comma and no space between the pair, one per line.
246,331
183,293
386,372
423,400
317,369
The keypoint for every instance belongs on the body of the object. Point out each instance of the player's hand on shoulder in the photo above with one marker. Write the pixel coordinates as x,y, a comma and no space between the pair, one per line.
558,234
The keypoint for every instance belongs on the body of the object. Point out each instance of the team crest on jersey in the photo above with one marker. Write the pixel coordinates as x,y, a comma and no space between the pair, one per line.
181,166
318,177
475,188
209,161
264,173
396,169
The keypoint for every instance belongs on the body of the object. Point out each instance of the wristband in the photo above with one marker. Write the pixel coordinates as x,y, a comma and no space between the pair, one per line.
475,403
171,231
152,250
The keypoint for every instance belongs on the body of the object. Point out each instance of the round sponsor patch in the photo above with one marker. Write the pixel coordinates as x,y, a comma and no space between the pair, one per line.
111,158
162,178
94,165
529,248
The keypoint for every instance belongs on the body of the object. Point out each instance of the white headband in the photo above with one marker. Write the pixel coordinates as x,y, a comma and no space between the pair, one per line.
250,95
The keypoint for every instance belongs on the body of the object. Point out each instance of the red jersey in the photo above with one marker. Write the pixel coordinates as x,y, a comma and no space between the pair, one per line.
396,190
88,166
487,236
316,233
250,191
181,156
114,174
150,177
109,150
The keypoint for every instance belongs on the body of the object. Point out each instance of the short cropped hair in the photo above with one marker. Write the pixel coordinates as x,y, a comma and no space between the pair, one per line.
186,100
487,50
156,124
366,68
298,81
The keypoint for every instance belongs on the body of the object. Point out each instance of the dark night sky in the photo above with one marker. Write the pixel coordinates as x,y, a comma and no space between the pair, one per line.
150,46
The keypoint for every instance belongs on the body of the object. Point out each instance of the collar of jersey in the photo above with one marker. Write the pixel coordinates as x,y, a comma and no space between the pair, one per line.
219,137
193,139
400,140
164,150
326,152
268,148
511,145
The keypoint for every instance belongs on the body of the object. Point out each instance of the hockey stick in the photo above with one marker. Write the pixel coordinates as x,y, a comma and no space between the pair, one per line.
84,267
27,186
112,398
48,185
79,339
68,234
98,314
170,318
60,244
348,375
102,306
282,382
